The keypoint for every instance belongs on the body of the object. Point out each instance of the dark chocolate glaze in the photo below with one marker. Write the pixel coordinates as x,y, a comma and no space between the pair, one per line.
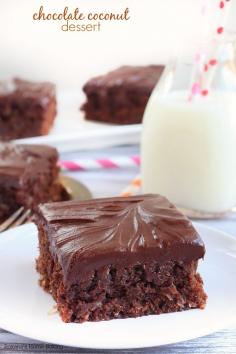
141,78
85,236
17,161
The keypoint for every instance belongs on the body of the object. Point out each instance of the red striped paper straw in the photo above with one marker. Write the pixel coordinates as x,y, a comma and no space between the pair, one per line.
102,163
205,61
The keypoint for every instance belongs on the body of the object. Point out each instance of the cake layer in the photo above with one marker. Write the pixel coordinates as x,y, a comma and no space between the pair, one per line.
88,235
119,292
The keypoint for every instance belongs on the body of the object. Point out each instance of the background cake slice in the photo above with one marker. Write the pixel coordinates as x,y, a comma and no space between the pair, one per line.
119,257
121,95
28,176
27,109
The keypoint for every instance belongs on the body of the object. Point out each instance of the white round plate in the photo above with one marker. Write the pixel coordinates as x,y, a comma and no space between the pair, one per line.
25,307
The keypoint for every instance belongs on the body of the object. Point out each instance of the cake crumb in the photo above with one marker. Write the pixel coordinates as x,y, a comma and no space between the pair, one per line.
52,311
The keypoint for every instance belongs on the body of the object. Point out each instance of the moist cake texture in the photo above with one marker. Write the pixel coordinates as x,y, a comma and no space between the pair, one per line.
119,257
121,95
26,109
28,176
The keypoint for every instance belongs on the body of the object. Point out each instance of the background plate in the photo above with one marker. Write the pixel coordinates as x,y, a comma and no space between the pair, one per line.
25,307
72,132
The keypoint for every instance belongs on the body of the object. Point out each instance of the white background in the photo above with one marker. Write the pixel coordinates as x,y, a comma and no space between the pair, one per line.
157,30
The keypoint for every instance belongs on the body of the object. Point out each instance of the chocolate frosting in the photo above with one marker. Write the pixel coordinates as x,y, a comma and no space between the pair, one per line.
22,89
85,236
17,161
143,78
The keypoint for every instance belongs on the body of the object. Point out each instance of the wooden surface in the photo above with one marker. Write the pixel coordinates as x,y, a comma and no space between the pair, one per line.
99,183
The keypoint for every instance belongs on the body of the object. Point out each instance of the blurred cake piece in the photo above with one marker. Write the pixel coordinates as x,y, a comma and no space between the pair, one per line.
121,95
27,109
29,175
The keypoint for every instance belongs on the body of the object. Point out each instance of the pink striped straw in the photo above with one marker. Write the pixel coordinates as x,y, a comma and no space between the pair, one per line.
101,163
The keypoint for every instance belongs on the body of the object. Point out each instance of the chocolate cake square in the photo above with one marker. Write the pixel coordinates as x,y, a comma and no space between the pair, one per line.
27,109
119,257
120,96
28,176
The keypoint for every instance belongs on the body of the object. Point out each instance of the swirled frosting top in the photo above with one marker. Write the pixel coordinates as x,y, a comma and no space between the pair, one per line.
87,235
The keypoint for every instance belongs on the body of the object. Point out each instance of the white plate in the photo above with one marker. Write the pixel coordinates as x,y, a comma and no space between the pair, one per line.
72,132
24,305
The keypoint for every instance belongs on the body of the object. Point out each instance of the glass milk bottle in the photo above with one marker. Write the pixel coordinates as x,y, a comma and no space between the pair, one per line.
188,145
